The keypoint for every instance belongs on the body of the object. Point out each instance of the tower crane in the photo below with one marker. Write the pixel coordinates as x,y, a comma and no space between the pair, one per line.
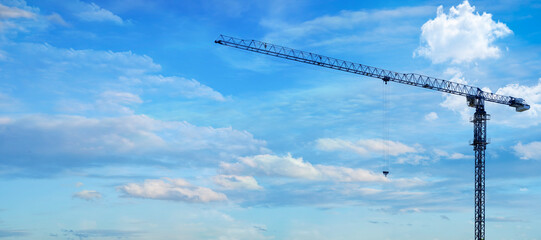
475,98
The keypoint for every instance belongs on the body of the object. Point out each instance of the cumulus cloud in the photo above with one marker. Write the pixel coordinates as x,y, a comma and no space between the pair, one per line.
364,147
503,114
462,35
91,12
532,96
288,166
171,189
88,195
237,182
528,151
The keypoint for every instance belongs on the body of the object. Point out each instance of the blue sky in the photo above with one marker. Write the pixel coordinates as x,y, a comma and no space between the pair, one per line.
124,120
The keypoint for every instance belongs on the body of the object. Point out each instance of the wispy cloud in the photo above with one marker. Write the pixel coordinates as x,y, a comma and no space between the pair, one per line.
503,219
99,233
288,166
88,195
344,23
102,71
171,189
365,147
12,233
117,139
91,12
237,182
13,12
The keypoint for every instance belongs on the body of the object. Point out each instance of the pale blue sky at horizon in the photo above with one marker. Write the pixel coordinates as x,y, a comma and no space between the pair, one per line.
124,120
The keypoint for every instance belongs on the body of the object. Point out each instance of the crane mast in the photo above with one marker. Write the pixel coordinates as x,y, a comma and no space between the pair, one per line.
475,97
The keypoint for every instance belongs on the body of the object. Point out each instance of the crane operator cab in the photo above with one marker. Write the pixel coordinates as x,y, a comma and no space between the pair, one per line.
385,172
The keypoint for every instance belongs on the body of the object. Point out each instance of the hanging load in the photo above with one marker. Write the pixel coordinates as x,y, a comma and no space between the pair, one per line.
475,96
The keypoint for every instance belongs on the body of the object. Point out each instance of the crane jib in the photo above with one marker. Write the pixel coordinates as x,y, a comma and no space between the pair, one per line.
386,75
475,98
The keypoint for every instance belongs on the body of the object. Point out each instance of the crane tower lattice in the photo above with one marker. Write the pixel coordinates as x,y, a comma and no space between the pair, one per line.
475,98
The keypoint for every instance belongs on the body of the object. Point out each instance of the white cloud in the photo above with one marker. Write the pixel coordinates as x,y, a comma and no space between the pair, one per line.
528,151
237,182
454,102
273,165
288,166
13,12
120,97
81,62
91,12
88,195
502,114
345,21
5,120
220,226
431,116
171,189
459,156
369,191
113,101
503,219
345,174
414,159
409,182
94,70
364,147
462,35
116,103
187,87
17,17
57,19
532,96
128,136
7,102
441,153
